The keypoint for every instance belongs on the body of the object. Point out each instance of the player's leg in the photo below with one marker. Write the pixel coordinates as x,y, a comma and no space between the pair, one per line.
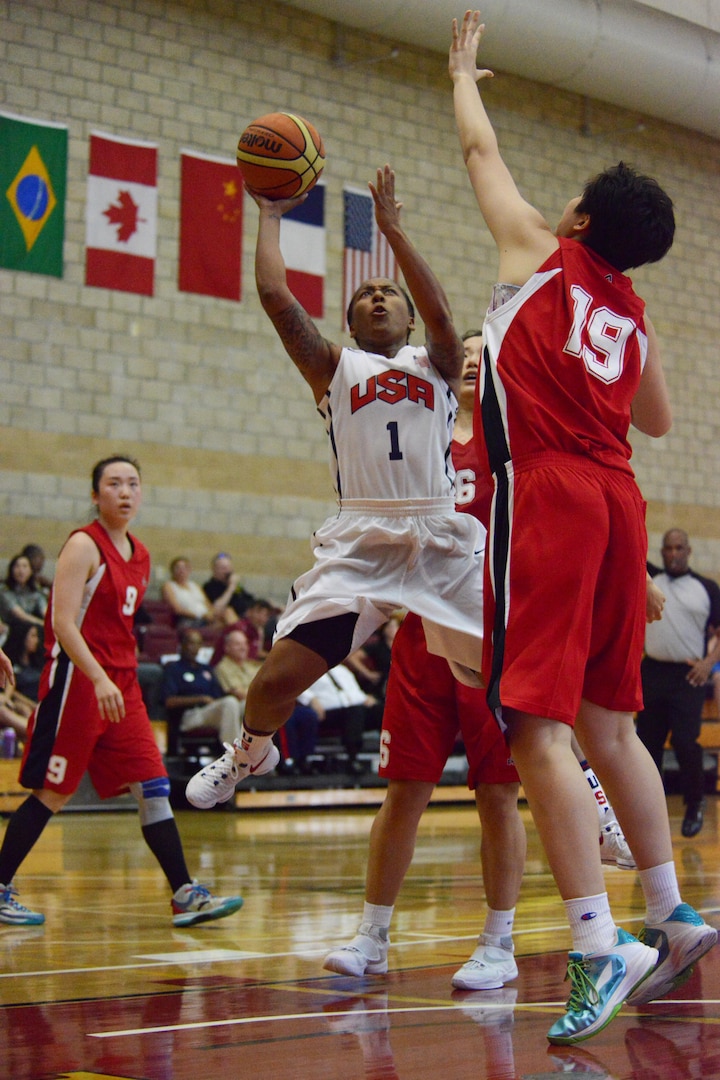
61,736
635,787
493,777
614,848
293,664
419,730
392,844
22,833
502,853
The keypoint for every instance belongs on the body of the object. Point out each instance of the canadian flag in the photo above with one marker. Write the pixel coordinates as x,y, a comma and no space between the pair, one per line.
121,224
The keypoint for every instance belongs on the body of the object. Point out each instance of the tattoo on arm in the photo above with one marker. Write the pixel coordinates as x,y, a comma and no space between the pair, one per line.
304,343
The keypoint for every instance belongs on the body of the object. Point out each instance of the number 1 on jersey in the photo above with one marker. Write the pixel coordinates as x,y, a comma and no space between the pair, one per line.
395,451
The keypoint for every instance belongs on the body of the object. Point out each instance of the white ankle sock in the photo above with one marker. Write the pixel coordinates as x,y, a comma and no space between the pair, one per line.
591,923
254,745
662,895
377,915
498,928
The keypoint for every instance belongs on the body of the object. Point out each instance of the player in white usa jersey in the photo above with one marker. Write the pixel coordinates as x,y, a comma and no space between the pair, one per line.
396,542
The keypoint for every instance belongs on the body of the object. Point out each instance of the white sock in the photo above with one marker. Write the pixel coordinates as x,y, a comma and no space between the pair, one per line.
591,923
378,915
604,809
254,745
498,928
662,895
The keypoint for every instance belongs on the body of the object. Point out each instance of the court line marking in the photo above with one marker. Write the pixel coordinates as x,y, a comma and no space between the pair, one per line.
200,1025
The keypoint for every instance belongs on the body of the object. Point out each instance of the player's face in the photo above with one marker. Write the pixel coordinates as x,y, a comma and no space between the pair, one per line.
380,314
473,351
119,493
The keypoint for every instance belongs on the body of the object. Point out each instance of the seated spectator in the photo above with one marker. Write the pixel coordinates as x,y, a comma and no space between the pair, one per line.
192,695
24,647
255,625
297,741
20,598
15,711
370,664
189,603
338,698
35,554
224,591
236,670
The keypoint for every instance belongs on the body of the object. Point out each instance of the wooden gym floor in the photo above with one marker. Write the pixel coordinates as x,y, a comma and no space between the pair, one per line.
109,988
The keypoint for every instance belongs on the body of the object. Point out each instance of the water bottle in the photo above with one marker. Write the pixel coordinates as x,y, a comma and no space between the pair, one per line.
8,742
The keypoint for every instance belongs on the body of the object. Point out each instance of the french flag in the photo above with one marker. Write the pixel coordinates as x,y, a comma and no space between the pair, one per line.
121,216
302,243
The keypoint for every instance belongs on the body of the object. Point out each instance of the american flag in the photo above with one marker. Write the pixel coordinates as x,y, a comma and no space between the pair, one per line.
366,253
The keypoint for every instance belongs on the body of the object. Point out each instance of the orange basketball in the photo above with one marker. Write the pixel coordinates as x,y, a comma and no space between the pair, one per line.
280,155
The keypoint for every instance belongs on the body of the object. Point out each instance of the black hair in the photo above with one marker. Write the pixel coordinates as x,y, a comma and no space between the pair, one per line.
631,217
101,466
471,333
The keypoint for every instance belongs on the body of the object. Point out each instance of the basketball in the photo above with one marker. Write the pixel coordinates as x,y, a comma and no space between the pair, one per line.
280,156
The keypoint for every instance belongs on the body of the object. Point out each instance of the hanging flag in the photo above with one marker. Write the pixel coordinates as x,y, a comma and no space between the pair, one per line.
33,175
302,242
366,253
211,205
121,224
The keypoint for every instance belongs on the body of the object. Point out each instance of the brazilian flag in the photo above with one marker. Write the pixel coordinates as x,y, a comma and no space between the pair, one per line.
33,175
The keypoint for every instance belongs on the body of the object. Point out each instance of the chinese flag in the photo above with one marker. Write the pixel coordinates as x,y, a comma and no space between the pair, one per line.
211,203
121,223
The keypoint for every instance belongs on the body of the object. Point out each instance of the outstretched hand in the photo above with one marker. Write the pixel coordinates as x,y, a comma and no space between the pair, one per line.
464,47
276,207
387,209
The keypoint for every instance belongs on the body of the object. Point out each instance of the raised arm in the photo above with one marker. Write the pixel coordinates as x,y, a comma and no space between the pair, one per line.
523,238
443,344
314,356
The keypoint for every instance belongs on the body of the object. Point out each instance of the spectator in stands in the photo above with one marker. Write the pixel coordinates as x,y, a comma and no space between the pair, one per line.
24,647
224,591
338,699
256,625
188,601
237,669
15,711
36,556
20,598
192,695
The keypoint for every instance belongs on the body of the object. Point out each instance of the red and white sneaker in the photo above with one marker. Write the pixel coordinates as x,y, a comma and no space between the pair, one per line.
216,783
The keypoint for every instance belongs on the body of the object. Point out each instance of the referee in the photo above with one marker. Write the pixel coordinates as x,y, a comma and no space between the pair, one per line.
676,668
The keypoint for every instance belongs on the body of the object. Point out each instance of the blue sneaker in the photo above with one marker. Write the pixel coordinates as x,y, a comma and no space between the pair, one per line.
681,940
194,903
13,913
600,984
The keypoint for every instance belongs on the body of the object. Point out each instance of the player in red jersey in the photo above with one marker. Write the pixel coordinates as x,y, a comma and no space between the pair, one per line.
90,716
570,361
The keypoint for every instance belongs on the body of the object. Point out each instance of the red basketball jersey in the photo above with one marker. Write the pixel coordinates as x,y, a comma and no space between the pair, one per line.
110,600
563,375
473,483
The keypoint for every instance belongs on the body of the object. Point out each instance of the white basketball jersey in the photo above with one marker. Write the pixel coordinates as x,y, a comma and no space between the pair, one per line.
389,422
